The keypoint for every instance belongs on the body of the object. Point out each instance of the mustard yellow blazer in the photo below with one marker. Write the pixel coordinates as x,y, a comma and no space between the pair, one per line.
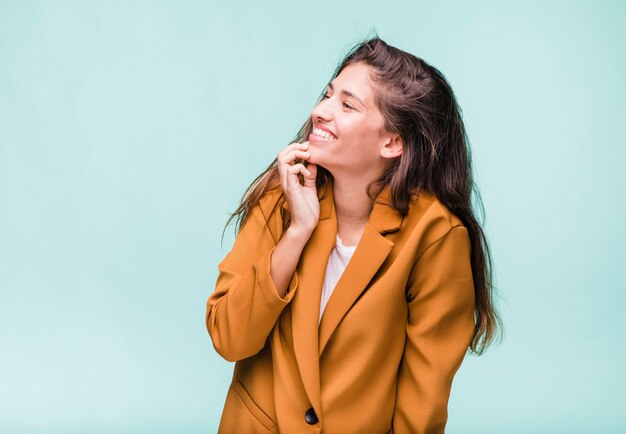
392,336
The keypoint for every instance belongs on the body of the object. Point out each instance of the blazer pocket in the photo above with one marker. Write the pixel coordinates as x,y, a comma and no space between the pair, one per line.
256,411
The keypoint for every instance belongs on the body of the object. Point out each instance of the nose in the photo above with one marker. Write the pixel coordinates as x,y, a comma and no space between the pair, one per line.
321,111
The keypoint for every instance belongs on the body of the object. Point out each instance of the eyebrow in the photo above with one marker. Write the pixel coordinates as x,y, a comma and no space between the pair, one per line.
348,93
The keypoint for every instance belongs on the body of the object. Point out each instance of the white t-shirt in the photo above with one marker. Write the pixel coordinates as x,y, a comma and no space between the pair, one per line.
337,262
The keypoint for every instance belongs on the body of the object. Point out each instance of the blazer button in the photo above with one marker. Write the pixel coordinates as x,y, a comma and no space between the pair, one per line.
310,416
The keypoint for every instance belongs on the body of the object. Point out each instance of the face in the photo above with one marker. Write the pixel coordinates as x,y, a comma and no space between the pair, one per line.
358,143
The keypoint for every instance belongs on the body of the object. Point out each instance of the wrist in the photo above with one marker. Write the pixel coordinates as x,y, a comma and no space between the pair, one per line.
298,234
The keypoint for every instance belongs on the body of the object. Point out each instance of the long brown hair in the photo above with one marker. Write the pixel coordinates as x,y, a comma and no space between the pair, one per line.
418,104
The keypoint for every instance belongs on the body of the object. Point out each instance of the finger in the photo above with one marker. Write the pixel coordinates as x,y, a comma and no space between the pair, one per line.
309,179
290,158
293,173
286,157
298,168
284,163
293,146
302,154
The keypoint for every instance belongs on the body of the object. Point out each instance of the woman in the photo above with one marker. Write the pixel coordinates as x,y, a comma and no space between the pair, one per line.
358,278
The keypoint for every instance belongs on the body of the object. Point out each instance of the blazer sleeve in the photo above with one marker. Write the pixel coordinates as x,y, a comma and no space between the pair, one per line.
439,330
245,305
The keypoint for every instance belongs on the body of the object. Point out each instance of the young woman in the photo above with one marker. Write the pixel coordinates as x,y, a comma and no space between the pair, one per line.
359,276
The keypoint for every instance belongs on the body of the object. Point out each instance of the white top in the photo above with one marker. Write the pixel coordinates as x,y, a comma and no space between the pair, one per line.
337,262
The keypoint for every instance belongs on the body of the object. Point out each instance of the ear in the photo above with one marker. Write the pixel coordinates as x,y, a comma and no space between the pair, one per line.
393,147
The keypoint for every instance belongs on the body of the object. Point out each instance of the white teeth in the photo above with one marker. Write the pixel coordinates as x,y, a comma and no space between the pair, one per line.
322,133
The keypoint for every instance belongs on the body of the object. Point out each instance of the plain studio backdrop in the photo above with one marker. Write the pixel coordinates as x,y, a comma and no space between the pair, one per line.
129,131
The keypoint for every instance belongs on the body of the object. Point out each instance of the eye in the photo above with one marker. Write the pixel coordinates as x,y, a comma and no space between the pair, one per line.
344,104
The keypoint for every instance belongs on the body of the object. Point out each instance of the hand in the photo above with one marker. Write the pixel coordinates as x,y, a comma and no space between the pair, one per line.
303,202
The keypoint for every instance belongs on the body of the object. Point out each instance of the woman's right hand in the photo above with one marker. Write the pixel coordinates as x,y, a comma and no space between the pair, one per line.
303,202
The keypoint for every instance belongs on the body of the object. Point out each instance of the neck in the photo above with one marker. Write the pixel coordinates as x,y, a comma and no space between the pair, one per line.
352,205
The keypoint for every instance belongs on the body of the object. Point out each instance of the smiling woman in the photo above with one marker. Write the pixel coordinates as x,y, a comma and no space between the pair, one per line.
359,277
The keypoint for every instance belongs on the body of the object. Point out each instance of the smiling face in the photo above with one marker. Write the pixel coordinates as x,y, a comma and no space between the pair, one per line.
358,143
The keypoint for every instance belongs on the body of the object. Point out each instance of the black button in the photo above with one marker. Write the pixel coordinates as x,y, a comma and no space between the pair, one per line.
310,416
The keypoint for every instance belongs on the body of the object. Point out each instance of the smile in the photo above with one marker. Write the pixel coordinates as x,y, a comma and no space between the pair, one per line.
323,134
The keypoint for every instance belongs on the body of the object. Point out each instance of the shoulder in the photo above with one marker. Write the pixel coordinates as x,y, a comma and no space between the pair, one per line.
271,200
267,212
429,219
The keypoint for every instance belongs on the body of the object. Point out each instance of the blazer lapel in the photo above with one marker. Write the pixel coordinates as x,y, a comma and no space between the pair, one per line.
372,250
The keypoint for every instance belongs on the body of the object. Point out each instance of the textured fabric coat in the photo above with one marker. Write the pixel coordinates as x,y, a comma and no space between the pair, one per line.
392,336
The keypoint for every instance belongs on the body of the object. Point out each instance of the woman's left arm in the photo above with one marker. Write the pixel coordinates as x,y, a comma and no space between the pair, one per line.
440,296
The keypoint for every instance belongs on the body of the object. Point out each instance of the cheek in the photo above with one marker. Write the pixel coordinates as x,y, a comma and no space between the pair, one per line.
356,131
361,138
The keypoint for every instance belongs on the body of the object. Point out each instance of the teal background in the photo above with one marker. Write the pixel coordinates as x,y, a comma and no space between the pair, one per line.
129,131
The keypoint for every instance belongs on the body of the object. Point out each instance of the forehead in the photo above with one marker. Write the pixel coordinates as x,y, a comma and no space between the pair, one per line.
356,79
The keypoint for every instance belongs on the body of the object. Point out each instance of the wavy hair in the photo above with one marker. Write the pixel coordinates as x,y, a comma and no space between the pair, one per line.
417,103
